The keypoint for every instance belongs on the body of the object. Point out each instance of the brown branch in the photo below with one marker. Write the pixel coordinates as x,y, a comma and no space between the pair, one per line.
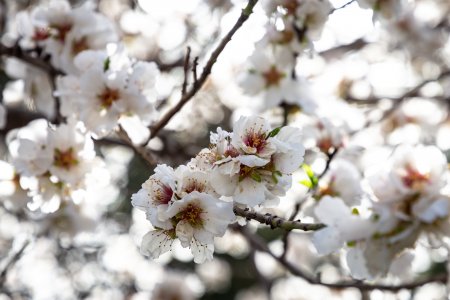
246,12
256,242
16,52
342,49
274,221
9,262
186,70
342,6
144,152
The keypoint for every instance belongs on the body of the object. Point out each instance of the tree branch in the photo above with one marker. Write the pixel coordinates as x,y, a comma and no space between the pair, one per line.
256,242
197,85
274,221
16,52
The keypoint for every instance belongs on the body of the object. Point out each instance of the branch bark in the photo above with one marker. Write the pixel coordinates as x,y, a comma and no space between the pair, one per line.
197,85
275,221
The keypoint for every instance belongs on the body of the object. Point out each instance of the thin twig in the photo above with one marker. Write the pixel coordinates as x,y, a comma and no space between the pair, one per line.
194,69
246,12
29,58
257,243
342,6
186,70
14,257
274,221
142,150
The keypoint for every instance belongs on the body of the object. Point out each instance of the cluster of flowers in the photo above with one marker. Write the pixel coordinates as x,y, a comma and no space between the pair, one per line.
252,164
111,90
406,197
293,25
63,32
53,164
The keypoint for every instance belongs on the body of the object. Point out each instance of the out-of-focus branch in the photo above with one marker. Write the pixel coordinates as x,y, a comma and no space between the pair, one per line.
144,152
10,261
338,51
274,221
260,245
16,52
197,85
342,6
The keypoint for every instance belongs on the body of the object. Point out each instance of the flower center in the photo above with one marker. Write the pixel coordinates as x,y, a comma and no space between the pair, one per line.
413,179
108,97
286,36
193,215
163,195
80,45
64,159
61,31
41,34
194,185
290,6
272,76
255,140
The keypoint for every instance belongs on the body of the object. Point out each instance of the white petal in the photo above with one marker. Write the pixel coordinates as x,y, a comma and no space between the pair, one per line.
155,243
250,192
135,129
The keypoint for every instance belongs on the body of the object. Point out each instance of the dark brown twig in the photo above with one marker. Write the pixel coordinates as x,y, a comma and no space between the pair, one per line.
196,86
274,221
186,70
256,242
342,6
194,69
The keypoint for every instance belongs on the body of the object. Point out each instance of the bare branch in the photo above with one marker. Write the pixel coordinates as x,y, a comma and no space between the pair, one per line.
274,221
246,12
10,261
186,70
30,59
142,150
342,6
256,242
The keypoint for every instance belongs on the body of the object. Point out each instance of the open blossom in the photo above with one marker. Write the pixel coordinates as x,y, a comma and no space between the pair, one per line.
64,32
253,164
408,200
52,163
111,91
182,204
308,15
268,77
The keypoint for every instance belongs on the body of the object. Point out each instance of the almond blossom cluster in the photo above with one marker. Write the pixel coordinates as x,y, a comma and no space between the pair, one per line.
63,32
252,165
406,198
54,164
271,68
111,90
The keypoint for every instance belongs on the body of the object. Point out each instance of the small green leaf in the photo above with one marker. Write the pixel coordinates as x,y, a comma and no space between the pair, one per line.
308,170
255,176
306,182
106,64
351,244
310,173
274,132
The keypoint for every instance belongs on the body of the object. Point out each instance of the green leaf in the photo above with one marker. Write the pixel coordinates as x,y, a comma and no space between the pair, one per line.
310,173
106,64
308,170
255,176
306,182
351,244
274,132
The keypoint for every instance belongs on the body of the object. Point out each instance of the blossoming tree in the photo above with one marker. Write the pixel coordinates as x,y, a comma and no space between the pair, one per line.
272,149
